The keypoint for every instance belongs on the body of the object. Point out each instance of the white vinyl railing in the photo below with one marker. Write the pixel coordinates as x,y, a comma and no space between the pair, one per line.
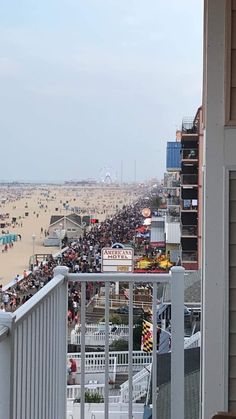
95,361
140,384
99,301
96,339
95,334
100,327
74,392
176,280
33,343
94,364
33,356
193,341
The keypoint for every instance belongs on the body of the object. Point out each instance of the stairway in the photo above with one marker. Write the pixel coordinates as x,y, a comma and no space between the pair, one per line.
140,383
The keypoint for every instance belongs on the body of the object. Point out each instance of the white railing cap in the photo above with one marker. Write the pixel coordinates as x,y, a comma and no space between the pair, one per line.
124,277
61,270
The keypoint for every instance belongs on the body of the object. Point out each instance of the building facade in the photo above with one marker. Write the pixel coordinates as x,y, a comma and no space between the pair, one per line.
70,224
191,201
219,227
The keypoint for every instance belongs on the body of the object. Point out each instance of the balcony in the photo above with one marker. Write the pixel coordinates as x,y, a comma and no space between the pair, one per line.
189,205
189,231
189,180
189,154
189,126
174,201
33,353
189,256
172,218
175,183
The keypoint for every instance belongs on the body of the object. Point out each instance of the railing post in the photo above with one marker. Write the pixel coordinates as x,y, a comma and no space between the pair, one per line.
177,342
130,355
6,363
61,270
62,337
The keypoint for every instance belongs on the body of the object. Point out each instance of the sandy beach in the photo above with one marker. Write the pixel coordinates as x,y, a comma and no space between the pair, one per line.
40,202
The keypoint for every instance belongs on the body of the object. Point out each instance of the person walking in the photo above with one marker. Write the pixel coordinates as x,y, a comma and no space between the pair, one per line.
5,299
73,370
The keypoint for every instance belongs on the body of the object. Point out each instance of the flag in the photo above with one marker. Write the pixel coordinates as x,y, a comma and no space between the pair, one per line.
94,220
147,336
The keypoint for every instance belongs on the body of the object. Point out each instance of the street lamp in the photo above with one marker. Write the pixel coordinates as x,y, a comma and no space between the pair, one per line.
33,239
60,236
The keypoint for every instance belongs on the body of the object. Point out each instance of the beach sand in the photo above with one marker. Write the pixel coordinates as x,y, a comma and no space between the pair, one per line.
40,202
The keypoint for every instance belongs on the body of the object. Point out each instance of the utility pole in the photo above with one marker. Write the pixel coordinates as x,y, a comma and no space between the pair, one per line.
121,172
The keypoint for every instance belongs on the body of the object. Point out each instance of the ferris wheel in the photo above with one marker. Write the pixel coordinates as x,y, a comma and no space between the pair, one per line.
107,175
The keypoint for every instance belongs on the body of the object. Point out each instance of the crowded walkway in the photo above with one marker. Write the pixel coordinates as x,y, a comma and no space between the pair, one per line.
82,256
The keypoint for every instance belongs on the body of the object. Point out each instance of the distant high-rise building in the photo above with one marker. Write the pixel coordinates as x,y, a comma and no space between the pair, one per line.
191,182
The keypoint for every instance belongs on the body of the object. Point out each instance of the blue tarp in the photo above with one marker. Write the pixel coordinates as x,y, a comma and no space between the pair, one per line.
8,238
173,157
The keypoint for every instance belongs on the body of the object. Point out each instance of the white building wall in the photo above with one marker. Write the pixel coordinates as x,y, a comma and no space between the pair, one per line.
72,230
220,157
172,233
157,230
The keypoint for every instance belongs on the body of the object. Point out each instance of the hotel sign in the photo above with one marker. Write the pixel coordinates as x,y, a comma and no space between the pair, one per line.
117,260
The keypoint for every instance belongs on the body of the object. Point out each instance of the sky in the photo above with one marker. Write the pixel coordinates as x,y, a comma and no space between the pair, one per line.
88,84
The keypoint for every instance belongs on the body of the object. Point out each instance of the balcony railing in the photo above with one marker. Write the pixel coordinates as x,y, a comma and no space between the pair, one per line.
173,201
189,154
188,230
189,256
33,346
189,179
175,183
95,361
189,204
100,327
33,356
92,339
189,126
193,342
173,218
140,385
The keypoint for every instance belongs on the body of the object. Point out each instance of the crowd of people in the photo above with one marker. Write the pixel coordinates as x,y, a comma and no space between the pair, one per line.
82,256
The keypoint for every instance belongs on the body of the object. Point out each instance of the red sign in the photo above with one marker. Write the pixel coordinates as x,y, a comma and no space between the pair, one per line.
158,244
94,221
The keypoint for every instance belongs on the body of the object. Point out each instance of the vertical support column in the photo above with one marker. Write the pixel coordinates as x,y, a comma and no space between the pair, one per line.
62,336
219,152
154,351
6,363
131,325
177,342
106,416
82,361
